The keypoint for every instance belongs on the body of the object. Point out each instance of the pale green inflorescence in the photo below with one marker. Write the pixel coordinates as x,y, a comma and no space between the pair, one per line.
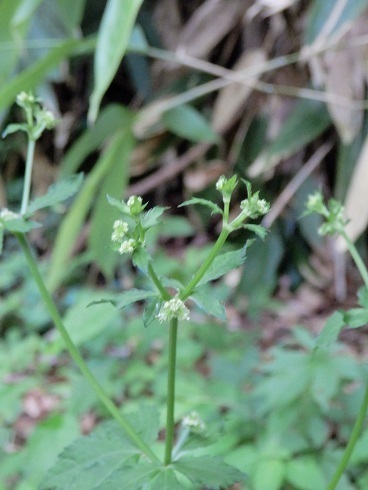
254,207
193,421
174,308
135,205
120,230
127,246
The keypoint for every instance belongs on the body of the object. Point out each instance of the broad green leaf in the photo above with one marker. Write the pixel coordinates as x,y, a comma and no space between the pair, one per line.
73,221
128,297
210,472
307,120
114,32
269,474
111,117
135,476
56,193
223,264
83,323
19,225
211,305
187,122
196,200
331,330
363,297
325,12
259,230
103,216
141,259
150,217
305,473
356,317
91,460
121,206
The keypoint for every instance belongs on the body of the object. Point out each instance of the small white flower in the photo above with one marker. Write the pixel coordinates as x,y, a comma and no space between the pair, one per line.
193,421
134,200
127,247
7,215
221,182
174,308
120,229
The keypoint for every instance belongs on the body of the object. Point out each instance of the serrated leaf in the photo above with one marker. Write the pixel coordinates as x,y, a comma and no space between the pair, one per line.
132,477
56,193
331,330
208,302
356,317
129,297
141,258
120,205
259,230
223,264
211,472
90,460
196,200
188,122
150,217
146,422
150,312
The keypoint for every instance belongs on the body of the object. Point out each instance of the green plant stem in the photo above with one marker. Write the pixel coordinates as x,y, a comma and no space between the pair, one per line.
187,291
359,422
75,354
28,175
170,404
354,436
164,293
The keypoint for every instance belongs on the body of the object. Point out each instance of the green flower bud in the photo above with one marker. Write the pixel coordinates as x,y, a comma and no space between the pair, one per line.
226,186
135,205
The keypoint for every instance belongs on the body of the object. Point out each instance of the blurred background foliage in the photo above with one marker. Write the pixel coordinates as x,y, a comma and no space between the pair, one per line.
159,98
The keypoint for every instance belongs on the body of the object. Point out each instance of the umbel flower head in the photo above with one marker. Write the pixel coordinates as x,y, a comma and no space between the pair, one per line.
174,308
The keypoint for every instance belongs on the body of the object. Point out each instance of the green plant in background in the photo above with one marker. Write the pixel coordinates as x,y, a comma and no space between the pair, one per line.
335,222
165,301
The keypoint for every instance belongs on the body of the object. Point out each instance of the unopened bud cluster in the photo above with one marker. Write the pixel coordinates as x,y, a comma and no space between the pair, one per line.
334,214
194,422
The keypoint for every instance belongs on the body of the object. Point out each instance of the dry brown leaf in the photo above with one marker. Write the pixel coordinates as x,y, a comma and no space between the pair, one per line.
356,202
344,77
167,21
209,25
231,99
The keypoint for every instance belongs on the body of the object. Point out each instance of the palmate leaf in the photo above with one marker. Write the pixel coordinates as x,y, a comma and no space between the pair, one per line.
196,200
211,472
56,193
223,264
150,218
208,302
98,460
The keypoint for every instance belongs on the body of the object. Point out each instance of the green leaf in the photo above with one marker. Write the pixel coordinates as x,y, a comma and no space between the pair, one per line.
13,128
331,330
133,477
141,258
356,317
129,297
73,221
19,225
305,473
307,120
89,462
205,299
56,193
363,297
118,204
114,32
187,122
150,217
269,474
210,472
223,264
259,230
196,200
150,312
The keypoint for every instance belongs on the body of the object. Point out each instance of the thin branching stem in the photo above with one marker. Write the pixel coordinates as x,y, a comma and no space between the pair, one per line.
78,359
28,175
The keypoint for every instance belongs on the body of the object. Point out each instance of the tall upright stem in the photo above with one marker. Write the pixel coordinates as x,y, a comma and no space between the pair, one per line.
170,404
359,422
28,175
78,359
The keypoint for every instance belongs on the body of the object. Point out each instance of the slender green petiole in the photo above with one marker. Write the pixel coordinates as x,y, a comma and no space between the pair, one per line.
170,414
78,359
28,175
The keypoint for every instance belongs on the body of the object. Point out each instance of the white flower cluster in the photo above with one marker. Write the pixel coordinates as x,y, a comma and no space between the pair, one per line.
125,244
174,308
254,207
7,215
193,421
